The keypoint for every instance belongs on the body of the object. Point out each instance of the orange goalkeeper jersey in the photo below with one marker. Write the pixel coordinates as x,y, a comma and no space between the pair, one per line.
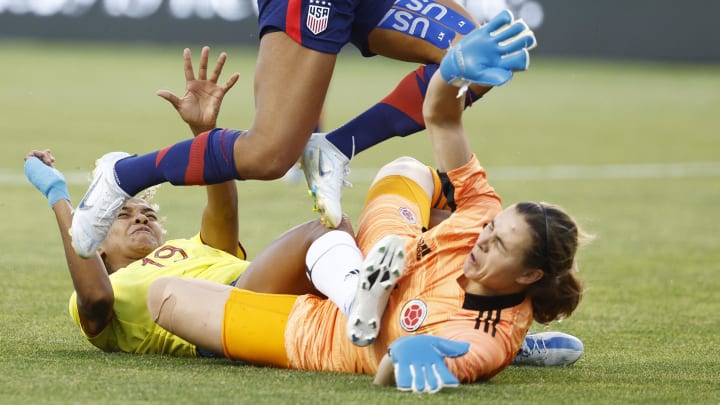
428,298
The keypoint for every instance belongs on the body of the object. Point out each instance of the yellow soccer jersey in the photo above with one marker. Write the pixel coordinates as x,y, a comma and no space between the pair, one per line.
132,329
427,300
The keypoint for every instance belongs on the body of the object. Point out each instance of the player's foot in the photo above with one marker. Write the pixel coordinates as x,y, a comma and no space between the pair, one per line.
325,170
549,349
381,270
99,207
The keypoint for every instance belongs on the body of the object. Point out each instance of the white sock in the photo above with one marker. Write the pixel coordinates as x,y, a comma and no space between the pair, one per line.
332,264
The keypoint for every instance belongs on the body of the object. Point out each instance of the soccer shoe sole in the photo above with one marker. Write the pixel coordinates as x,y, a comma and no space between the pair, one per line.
382,268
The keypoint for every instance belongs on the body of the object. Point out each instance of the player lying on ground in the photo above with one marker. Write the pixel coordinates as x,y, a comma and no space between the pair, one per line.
465,293
111,288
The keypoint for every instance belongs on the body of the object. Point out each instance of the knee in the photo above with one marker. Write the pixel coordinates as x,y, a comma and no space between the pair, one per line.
411,169
402,166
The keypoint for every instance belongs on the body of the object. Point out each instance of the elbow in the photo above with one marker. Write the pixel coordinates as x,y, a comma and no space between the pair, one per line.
96,306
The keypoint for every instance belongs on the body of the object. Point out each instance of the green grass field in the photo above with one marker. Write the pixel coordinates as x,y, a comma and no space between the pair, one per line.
630,149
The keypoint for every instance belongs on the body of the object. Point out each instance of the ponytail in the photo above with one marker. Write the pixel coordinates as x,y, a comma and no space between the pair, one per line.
556,238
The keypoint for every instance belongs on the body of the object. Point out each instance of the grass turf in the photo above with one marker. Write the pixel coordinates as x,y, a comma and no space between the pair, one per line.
649,319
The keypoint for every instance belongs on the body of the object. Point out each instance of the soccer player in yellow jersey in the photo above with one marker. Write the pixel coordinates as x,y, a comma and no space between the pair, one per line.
432,305
109,302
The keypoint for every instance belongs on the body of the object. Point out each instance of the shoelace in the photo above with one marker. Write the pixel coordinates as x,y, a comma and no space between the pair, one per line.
346,173
538,346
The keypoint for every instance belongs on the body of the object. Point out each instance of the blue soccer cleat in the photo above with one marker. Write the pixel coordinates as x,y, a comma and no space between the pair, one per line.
547,349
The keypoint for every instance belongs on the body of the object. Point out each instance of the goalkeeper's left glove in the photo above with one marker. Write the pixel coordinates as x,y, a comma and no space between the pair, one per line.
490,54
47,179
419,362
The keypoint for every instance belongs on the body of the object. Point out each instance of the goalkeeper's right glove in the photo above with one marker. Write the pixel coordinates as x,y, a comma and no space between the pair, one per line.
490,54
47,179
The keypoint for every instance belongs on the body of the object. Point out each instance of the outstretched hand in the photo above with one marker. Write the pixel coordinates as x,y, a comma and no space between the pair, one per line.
200,106
419,362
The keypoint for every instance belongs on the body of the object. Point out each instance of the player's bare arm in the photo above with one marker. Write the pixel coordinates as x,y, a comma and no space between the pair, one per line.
90,279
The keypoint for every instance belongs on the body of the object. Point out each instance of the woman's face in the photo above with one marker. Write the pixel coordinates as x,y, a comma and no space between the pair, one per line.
135,233
495,264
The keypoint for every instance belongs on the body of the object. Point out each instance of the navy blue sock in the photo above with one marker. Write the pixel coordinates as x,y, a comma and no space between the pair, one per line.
205,159
398,114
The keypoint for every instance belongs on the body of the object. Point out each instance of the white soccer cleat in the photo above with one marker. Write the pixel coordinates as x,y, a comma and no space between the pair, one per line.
382,268
99,207
549,349
325,170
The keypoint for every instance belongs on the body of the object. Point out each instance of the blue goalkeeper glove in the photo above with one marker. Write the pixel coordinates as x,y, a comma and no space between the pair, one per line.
47,179
490,54
419,362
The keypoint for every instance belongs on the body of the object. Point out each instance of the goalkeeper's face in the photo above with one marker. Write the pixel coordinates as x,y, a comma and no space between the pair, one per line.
135,233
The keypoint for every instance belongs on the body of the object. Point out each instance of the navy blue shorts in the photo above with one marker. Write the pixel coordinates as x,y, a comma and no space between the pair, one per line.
323,25
328,25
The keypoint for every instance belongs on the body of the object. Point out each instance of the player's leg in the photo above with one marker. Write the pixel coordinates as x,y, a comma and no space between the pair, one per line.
291,82
280,268
293,71
390,36
420,35
409,34
326,157
396,212
190,308
383,214
308,259
228,321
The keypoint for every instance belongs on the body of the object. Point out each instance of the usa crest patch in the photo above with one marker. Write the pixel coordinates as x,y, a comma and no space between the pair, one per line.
318,16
